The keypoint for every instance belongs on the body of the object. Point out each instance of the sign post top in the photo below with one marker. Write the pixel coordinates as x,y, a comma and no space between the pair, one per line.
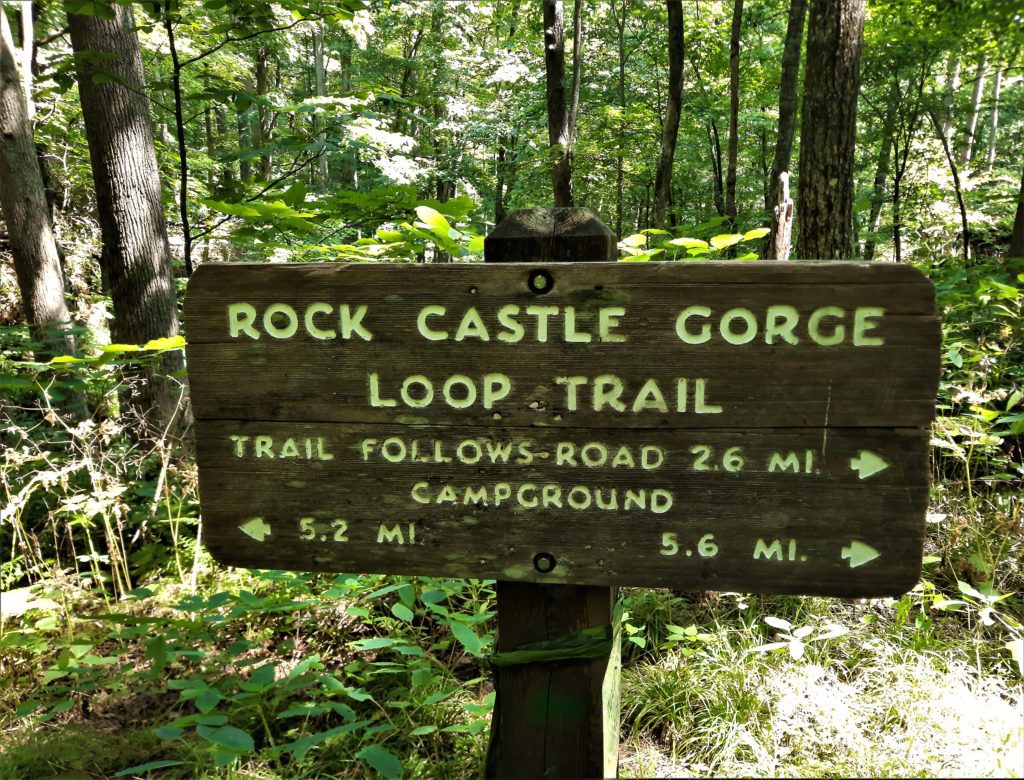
550,235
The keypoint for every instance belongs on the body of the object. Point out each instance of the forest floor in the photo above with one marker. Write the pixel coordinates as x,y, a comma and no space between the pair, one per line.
125,651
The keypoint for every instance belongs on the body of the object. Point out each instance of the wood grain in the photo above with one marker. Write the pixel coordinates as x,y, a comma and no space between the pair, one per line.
834,402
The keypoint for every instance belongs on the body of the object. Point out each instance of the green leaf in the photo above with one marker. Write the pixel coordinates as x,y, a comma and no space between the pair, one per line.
422,730
229,737
382,760
402,612
169,732
433,219
637,239
467,637
149,766
968,590
748,256
689,243
756,233
726,240
377,643
476,244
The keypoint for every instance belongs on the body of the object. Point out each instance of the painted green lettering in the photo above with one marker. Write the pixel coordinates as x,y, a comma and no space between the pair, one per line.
780,322
240,320
862,324
425,330
814,326
292,321
352,322
608,318
705,329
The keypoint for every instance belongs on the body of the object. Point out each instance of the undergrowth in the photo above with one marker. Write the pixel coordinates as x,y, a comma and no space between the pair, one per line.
125,651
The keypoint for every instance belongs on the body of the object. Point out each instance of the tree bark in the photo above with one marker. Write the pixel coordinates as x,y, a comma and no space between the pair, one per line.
23,206
965,227
828,129
620,27
717,189
949,90
783,218
993,125
673,111
882,165
320,77
787,106
1017,238
734,113
136,258
264,116
559,132
967,148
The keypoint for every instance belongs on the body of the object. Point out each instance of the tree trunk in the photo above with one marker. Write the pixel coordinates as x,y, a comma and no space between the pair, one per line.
620,26
882,171
558,117
787,105
264,116
949,91
993,125
673,110
349,157
243,125
23,206
965,227
136,259
967,149
734,112
782,217
828,129
320,77
1017,239
716,168
227,168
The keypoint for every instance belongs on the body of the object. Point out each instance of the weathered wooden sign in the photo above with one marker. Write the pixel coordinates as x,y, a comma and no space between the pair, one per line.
758,427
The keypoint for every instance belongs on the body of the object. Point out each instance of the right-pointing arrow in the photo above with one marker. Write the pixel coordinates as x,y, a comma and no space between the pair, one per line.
859,554
867,464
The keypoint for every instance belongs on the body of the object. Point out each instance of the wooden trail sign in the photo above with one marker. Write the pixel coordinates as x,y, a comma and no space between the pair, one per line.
756,427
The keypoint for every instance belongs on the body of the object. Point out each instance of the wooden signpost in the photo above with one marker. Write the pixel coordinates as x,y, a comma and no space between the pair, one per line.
755,427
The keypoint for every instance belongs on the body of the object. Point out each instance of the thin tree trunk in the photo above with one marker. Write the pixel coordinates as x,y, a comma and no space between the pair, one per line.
734,112
828,129
349,158
558,117
950,90
956,186
881,171
227,168
320,77
179,125
244,128
967,149
673,111
23,207
620,26
787,104
783,217
1017,238
264,117
27,47
716,168
136,258
993,125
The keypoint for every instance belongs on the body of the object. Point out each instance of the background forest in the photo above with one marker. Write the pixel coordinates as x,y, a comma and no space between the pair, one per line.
139,140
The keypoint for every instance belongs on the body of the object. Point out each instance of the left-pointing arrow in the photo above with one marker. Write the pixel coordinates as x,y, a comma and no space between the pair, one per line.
256,528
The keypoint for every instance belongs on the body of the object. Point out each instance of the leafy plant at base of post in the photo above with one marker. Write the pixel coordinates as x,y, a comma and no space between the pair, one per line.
796,639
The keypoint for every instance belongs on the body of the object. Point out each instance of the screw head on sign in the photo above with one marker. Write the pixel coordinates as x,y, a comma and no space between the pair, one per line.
544,562
540,282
